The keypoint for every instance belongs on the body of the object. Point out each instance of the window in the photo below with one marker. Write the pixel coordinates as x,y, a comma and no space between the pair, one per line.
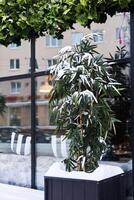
53,42
15,87
98,36
51,62
15,117
14,63
122,34
76,37
13,46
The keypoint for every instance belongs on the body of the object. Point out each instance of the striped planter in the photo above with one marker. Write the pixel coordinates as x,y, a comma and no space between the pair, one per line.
113,188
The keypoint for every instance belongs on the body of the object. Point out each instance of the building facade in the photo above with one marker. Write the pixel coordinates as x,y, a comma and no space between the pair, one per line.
15,60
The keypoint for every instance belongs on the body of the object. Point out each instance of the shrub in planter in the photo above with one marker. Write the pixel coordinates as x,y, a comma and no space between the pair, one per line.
80,100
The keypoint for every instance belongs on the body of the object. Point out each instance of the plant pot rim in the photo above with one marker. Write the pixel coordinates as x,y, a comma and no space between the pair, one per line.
57,170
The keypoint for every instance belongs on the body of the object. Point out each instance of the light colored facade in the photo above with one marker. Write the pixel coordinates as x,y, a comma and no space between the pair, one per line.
16,60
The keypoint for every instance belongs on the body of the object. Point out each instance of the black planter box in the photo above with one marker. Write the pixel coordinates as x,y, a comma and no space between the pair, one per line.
113,188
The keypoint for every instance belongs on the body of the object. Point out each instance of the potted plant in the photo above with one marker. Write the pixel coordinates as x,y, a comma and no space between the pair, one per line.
80,100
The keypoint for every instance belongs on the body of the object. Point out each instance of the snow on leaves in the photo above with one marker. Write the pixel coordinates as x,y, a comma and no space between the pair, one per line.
80,100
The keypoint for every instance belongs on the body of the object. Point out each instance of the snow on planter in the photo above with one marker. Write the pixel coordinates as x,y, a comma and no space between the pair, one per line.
105,183
101,173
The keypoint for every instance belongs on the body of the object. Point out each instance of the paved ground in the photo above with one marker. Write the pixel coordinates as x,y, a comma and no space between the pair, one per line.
16,169
9,192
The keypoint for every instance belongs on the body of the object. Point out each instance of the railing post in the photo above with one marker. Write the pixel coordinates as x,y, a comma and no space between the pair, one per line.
33,114
132,86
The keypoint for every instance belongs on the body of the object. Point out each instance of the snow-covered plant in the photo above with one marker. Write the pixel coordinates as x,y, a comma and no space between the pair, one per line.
82,88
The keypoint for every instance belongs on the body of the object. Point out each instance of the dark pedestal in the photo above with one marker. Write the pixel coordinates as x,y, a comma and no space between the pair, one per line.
113,188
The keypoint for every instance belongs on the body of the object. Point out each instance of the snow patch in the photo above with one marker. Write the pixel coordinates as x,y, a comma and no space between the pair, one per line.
101,173
65,50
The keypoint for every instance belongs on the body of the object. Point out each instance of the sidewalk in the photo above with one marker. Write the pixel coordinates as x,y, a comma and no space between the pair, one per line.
9,192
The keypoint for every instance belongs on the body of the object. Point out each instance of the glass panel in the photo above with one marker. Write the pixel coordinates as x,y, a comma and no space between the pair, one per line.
60,42
13,45
15,134
15,87
11,63
101,37
51,62
15,117
122,34
47,40
17,63
52,148
53,41
45,151
76,37
119,150
98,36
95,37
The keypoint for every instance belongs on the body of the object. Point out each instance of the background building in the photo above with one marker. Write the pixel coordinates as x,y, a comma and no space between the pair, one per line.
16,60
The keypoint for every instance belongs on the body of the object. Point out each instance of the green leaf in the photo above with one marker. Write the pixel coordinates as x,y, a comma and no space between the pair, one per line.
83,2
